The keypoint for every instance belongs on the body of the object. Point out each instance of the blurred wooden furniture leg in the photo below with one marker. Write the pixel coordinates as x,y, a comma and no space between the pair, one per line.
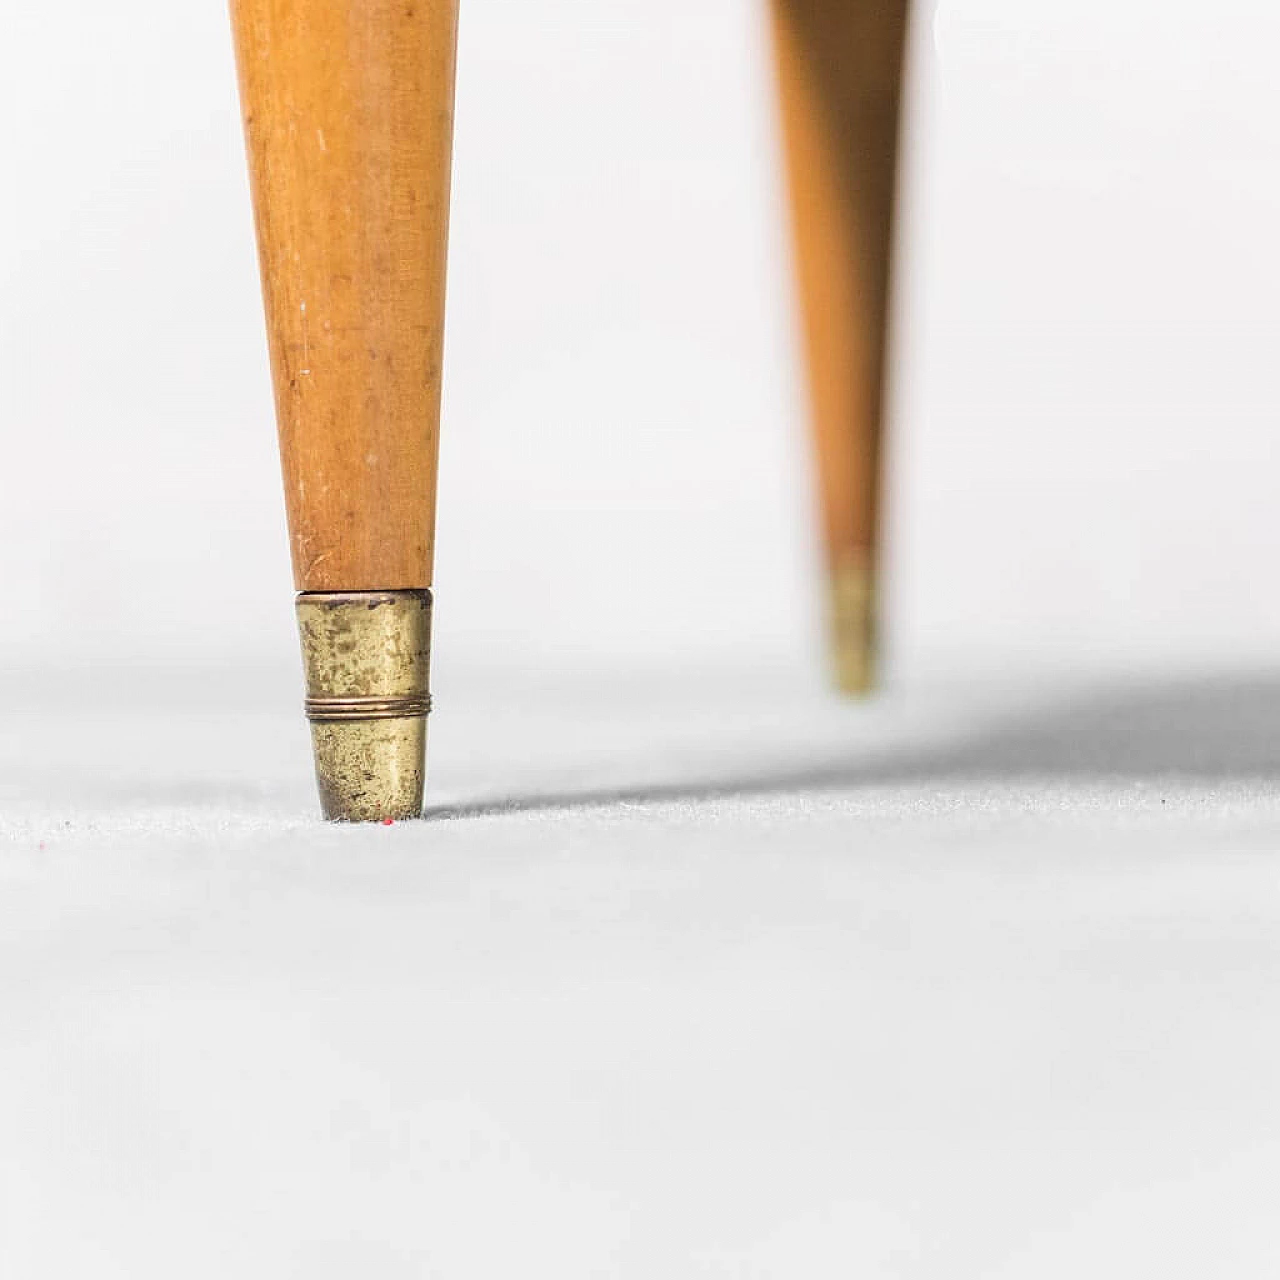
840,65
348,110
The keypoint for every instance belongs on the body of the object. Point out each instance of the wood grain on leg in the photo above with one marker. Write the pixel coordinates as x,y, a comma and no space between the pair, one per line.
348,108
840,66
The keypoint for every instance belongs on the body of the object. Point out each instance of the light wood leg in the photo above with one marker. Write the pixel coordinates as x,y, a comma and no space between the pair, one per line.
348,110
840,65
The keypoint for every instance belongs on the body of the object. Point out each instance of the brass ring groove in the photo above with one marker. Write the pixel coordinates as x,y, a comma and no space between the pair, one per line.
330,710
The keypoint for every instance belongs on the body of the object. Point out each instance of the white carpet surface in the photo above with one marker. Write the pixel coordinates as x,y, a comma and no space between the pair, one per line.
713,977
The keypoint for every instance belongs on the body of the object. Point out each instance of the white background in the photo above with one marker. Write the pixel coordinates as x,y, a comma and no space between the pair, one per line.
1087,388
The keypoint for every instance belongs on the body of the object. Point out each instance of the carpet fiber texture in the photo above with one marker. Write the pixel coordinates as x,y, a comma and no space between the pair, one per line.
711,978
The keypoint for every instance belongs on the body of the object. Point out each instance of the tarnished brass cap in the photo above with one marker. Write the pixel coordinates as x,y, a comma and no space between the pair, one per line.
853,624
367,657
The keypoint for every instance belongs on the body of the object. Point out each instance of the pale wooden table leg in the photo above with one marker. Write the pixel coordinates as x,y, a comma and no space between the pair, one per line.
348,108
840,71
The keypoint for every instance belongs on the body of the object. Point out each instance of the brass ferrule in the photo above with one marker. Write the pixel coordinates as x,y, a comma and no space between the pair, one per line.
853,624
367,658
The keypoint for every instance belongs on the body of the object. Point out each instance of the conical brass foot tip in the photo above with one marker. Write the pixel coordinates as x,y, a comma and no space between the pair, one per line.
853,629
367,659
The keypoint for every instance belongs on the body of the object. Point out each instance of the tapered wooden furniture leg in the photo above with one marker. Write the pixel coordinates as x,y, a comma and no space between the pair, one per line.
840,66
348,110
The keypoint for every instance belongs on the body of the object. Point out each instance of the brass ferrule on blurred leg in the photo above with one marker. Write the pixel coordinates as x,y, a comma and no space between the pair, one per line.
854,624
367,657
